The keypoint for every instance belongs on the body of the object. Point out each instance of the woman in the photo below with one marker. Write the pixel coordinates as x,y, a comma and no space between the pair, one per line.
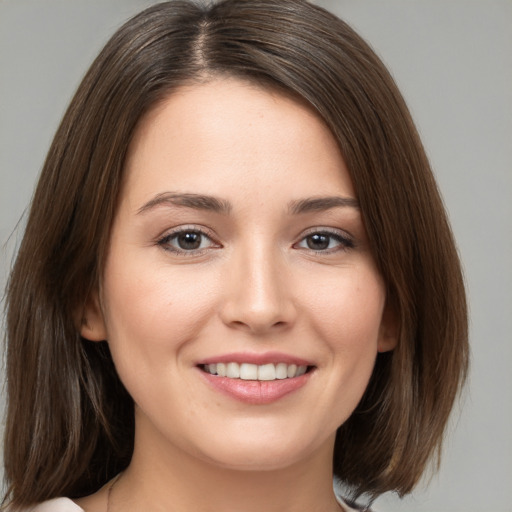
237,278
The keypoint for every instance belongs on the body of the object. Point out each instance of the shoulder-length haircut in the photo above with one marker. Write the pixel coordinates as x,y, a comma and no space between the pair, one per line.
70,422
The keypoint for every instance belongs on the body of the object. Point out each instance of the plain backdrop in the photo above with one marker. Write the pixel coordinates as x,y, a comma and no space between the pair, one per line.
453,62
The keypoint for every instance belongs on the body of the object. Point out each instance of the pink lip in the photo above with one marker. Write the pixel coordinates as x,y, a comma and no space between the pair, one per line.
253,358
254,391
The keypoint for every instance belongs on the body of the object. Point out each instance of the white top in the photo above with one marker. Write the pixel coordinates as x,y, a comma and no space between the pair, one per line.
66,505
56,505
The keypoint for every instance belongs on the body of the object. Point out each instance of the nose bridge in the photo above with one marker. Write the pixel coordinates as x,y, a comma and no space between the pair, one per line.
258,296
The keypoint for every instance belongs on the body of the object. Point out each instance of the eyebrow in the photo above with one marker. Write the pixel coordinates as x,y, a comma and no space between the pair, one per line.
315,204
211,203
196,201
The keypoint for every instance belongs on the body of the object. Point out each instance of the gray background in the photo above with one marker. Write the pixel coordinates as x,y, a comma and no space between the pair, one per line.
453,62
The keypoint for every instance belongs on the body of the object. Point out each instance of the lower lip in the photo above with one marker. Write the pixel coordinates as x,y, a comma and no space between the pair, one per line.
256,392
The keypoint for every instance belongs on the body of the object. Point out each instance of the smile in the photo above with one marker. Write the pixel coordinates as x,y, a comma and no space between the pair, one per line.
249,371
256,379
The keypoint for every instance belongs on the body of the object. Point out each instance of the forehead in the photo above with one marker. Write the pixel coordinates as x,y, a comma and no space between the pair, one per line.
205,136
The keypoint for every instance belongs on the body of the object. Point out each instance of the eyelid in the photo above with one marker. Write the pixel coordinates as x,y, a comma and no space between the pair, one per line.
168,235
345,240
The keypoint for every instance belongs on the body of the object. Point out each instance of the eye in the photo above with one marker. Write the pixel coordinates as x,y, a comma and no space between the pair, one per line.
326,241
187,241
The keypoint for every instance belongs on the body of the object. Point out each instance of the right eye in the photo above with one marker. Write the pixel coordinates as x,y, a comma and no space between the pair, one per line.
186,241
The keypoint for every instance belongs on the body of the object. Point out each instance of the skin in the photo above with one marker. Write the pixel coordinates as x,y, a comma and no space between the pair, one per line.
254,285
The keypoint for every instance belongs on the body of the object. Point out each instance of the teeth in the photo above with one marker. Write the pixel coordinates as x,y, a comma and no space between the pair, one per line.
281,371
291,371
247,371
267,372
221,369
233,371
301,370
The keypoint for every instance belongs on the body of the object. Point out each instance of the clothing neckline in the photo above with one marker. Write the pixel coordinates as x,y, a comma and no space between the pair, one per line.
58,504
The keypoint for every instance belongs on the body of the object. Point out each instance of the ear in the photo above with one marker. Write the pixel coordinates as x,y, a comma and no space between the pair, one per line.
92,323
388,333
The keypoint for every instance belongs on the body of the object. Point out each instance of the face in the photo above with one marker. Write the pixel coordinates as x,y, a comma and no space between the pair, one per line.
240,300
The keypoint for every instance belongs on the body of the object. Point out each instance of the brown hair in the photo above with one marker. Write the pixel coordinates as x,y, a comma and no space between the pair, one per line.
70,422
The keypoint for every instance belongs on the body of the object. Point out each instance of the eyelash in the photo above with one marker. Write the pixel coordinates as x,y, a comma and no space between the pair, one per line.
165,241
344,241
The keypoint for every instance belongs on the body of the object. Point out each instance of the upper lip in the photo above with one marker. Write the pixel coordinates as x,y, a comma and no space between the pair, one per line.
255,358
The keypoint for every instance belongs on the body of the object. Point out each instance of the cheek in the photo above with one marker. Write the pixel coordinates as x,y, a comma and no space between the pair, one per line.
346,314
348,309
153,309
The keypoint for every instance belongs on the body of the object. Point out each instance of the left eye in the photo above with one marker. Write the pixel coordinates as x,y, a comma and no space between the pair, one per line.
186,241
325,242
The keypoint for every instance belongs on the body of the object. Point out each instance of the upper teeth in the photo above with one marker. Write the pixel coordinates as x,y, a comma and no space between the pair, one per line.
247,371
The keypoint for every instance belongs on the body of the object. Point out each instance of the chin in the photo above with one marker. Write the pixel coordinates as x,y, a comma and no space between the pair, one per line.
266,453
253,461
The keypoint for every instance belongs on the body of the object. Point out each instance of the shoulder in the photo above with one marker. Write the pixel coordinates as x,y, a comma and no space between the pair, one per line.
55,505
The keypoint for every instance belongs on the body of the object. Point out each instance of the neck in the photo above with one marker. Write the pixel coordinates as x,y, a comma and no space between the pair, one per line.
169,479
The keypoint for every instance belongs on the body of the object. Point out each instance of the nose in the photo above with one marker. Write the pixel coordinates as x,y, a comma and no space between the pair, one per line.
258,293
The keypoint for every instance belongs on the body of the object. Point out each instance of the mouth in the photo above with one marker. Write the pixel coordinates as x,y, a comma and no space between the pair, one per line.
249,371
256,379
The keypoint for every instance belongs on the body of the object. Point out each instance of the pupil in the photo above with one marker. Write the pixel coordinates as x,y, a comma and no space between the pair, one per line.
189,241
318,242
